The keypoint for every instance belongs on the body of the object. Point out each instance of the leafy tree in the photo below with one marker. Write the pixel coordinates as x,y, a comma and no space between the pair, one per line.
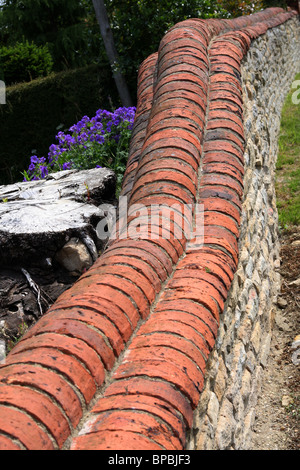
275,3
139,25
71,29
111,51
62,25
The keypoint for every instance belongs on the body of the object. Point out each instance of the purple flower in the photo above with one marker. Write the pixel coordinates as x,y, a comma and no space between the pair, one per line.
104,128
67,165
34,159
83,137
100,139
74,128
44,171
54,152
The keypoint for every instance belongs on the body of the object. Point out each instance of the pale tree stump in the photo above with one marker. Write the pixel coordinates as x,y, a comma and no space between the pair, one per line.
47,239
37,218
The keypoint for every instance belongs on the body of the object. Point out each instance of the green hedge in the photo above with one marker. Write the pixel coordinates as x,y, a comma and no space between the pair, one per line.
23,62
35,111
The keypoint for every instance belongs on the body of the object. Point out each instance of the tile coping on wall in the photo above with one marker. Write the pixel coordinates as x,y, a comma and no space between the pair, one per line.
119,360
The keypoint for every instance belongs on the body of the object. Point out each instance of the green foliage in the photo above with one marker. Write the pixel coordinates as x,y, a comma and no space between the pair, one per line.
275,3
241,7
246,7
100,141
72,33
138,26
112,153
288,163
24,62
35,111
22,329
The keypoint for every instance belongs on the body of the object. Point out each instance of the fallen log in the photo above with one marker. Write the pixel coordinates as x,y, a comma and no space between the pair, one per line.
38,218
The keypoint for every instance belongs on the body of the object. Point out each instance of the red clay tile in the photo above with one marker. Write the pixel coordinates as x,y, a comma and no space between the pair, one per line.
114,440
155,389
17,424
39,407
30,375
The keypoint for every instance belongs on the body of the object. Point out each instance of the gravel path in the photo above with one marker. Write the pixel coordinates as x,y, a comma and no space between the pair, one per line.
278,409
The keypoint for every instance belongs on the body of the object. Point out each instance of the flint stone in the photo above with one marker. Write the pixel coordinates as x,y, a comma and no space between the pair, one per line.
37,218
281,302
74,257
295,283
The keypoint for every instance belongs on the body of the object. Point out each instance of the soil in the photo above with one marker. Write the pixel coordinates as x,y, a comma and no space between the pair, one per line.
278,408
26,293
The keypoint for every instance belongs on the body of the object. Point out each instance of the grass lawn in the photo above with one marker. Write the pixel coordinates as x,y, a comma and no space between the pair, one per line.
288,162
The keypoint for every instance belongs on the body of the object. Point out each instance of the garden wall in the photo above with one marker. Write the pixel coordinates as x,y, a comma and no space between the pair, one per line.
162,343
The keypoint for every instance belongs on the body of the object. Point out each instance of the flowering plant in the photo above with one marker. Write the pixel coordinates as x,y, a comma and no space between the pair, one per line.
100,141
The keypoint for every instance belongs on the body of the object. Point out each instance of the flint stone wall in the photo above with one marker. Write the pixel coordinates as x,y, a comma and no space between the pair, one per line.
226,412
